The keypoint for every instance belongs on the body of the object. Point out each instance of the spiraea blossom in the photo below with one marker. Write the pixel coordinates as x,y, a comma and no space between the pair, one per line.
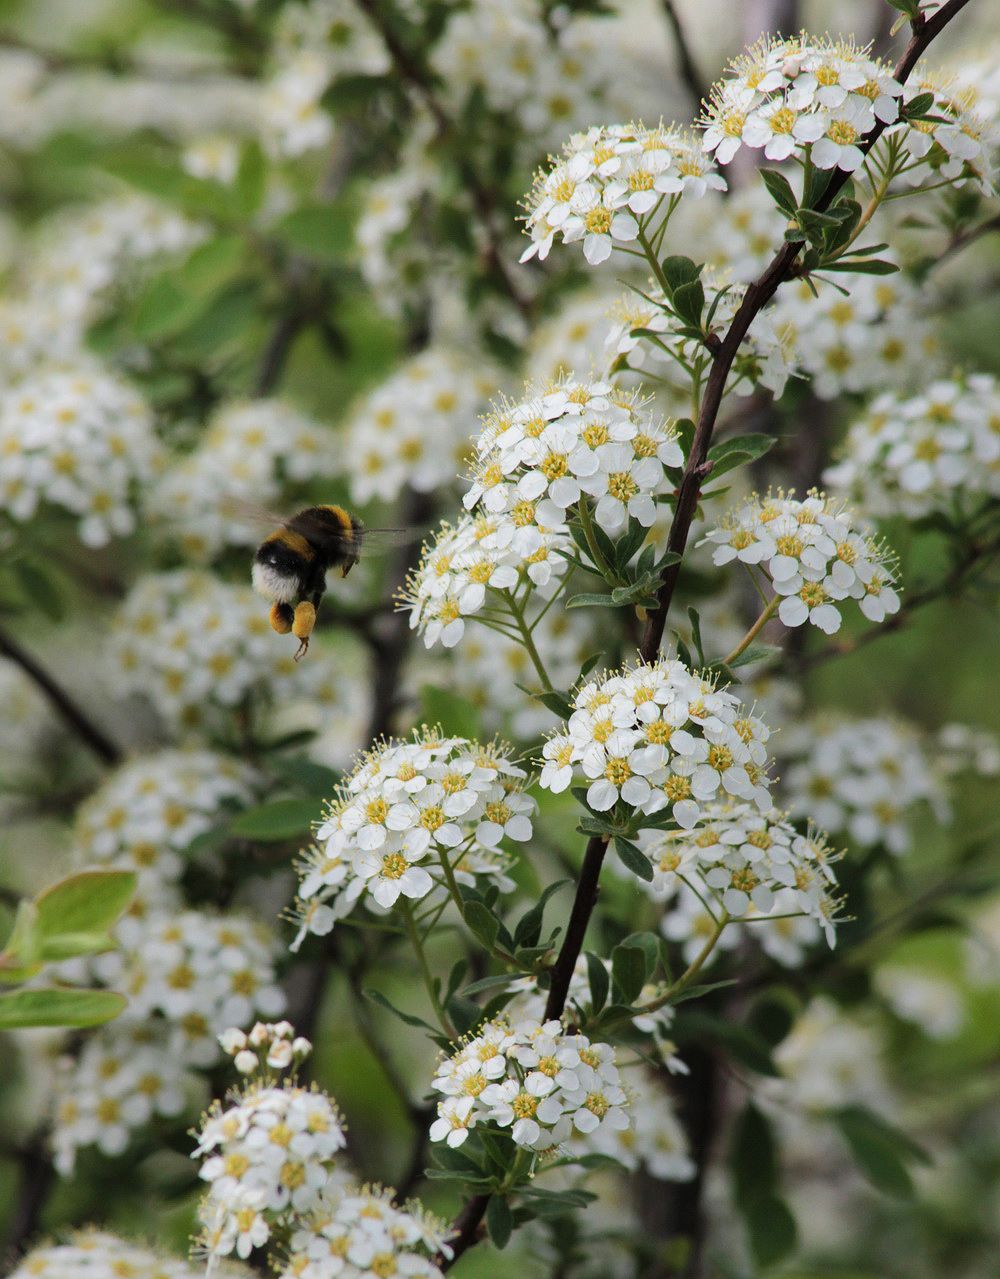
361,1232
575,337
121,1079
408,816
767,357
474,563
861,778
938,451
804,97
659,739
656,1142
877,337
572,442
80,441
250,452
746,864
413,430
610,182
814,554
147,812
198,648
958,144
532,1078
96,1254
267,1158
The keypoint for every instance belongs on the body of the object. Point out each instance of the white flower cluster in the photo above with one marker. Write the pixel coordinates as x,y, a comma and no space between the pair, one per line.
77,440
862,778
767,356
655,1143
610,182
316,43
414,429
391,255
122,1078
187,977
748,864
480,554
267,1159
575,337
923,998
661,739
877,337
249,453
199,647
363,1234
95,1254
533,1078
960,145
576,441
804,98
411,814
67,269
147,812
549,76
814,555
932,452
738,233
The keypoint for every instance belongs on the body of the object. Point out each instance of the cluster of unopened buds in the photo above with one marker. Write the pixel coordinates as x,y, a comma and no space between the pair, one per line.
267,1046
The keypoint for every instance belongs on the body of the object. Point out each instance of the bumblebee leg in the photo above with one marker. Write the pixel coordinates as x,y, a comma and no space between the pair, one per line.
302,626
281,618
347,566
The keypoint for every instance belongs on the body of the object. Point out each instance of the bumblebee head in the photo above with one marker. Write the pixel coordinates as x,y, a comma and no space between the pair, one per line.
277,571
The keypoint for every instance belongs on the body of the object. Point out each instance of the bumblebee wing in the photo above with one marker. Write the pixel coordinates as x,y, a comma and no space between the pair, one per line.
248,513
379,541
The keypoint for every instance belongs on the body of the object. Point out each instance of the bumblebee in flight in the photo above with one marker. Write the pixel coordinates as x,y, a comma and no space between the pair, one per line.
291,564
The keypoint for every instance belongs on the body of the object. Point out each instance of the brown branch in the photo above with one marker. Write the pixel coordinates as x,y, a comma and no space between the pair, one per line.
758,294
69,710
962,239
690,74
755,299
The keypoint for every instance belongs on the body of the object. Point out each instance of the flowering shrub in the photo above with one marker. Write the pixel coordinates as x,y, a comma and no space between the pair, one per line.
622,840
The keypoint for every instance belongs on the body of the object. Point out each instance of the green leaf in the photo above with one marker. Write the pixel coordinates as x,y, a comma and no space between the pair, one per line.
482,923
558,703
277,820
455,715
918,106
305,774
771,1228
498,1221
597,977
20,958
753,653
20,1009
378,998
649,944
628,970
742,1043
689,302
320,231
529,926
251,180
780,191
678,271
738,451
753,1156
500,982
863,266
877,1150
695,620
633,858
89,902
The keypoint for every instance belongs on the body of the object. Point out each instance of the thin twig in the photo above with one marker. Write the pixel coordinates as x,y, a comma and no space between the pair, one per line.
63,703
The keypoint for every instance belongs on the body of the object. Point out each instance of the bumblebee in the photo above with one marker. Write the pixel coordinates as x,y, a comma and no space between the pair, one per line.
291,564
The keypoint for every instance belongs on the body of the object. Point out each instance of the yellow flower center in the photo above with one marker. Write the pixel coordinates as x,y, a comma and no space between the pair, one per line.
720,758
554,466
842,133
598,221
393,866
617,771
622,486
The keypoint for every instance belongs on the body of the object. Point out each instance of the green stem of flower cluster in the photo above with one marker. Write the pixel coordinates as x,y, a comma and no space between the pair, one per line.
754,631
596,554
524,634
413,932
